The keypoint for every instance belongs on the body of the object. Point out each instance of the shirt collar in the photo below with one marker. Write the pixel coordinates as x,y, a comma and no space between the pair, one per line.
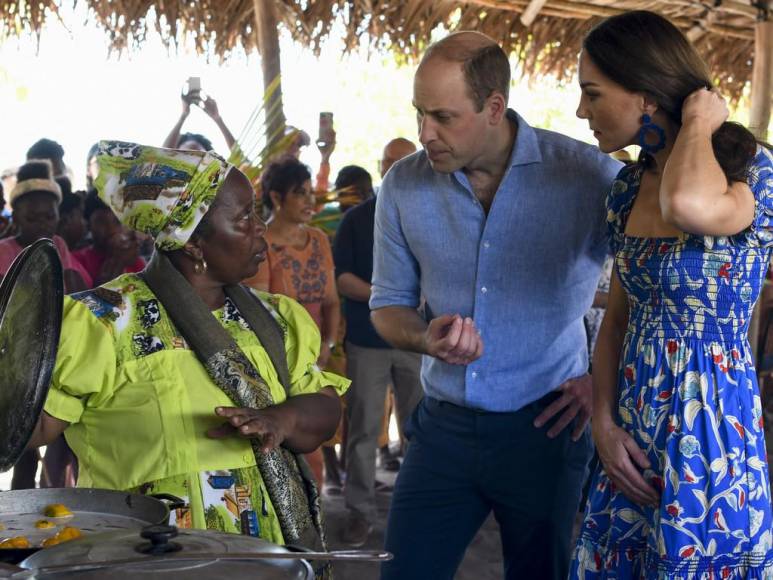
526,147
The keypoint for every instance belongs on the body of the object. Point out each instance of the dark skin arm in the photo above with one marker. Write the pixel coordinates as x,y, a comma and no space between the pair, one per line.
301,424
46,431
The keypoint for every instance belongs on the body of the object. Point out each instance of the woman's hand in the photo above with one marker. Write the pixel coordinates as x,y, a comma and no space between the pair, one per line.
618,452
326,150
324,355
705,106
271,425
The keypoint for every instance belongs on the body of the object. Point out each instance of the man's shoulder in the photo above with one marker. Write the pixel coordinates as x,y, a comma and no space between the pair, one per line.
411,168
560,147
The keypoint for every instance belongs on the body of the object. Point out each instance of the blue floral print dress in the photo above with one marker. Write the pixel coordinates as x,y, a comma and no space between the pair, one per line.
688,395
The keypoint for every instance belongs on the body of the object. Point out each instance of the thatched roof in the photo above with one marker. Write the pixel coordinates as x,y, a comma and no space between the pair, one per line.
723,30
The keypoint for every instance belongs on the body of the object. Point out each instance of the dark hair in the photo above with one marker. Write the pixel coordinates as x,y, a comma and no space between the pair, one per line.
64,184
198,138
643,52
350,175
486,68
45,149
34,169
282,176
92,204
70,203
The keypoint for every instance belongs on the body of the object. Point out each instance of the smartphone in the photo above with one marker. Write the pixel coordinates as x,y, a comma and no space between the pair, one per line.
325,128
192,89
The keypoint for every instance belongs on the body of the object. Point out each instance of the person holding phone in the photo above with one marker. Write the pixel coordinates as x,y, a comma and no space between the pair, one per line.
193,95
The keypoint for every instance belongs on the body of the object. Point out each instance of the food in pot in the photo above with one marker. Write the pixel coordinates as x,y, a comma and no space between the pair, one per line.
64,535
43,524
56,510
16,542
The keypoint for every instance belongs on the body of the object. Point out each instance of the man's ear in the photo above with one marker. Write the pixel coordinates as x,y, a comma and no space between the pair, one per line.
496,106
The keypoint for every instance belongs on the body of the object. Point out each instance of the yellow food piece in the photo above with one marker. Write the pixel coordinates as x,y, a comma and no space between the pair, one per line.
43,524
2,527
56,510
64,535
17,542
68,533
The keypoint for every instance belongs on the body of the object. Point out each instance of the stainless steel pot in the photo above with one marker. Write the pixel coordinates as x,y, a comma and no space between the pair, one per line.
95,511
163,552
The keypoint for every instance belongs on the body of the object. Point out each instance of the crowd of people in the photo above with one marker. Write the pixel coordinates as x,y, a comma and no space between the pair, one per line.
466,294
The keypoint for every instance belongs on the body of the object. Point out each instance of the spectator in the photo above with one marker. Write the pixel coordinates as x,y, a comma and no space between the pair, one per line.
51,150
114,249
195,141
299,261
371,363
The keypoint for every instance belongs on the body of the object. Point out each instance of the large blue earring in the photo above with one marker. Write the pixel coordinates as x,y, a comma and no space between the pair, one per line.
648,126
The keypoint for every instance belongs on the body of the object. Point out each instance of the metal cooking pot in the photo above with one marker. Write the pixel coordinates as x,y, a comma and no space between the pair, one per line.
164,553
95,511
31,298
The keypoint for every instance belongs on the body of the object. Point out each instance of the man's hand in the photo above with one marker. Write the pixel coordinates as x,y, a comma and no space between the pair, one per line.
271,425
576,400
453,339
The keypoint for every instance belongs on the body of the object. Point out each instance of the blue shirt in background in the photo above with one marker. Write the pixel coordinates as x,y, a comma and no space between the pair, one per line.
526,273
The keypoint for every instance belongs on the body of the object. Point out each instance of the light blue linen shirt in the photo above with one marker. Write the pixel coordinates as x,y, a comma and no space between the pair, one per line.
526,273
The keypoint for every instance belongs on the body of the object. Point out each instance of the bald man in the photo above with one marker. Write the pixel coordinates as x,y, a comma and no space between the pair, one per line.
395,150
501,228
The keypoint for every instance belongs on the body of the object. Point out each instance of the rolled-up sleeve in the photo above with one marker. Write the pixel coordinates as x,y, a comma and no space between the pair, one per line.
395,269
302,344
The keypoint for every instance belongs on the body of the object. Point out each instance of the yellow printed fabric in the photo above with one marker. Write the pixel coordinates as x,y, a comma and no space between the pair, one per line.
140,403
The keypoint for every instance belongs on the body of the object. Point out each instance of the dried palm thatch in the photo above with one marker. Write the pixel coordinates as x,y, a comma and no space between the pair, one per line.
723,30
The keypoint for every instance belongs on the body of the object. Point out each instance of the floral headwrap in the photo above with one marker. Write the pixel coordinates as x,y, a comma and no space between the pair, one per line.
162,192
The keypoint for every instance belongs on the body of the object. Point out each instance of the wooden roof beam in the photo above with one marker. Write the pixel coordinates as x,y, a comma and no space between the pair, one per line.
531,11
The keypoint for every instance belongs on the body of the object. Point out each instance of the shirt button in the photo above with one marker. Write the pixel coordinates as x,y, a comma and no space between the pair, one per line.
486,245
474,375
484,290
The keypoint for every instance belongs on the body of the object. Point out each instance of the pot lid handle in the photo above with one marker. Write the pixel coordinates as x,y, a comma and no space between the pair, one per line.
159,536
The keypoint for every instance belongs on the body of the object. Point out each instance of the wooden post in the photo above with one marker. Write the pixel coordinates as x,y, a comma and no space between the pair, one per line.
762,78
759,118
268,45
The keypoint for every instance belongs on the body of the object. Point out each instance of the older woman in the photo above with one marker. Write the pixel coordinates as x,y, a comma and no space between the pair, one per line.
178,379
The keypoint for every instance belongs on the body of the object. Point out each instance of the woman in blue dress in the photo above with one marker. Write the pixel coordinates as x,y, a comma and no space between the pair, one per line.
683,489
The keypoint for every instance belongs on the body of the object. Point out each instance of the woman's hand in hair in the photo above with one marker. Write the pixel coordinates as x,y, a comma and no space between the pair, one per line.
705,106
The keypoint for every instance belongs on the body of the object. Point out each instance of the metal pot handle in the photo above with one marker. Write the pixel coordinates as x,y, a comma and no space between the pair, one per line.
172,501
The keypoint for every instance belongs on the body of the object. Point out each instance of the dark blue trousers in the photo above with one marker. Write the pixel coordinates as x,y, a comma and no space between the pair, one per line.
461,464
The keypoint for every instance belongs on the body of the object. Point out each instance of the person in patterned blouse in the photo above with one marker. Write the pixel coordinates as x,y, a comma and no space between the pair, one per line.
683,489
178,379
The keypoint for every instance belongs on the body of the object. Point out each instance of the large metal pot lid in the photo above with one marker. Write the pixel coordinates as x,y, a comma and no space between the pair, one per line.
31,297
162,552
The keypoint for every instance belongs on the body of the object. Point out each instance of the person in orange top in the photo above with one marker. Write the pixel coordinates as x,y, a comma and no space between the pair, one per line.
299,260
